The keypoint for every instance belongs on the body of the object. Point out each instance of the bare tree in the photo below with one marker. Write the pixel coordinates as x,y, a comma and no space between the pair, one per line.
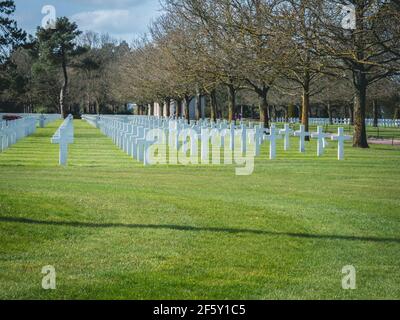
365,48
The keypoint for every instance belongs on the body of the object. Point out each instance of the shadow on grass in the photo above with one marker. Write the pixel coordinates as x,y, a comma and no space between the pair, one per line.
76,224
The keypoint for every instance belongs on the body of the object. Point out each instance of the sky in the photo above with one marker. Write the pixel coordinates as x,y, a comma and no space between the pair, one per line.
123,19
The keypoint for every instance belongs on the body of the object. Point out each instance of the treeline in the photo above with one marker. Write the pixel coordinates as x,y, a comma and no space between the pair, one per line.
59,70
286,57
284,52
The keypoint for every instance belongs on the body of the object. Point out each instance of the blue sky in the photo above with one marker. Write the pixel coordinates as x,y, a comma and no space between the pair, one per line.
123,19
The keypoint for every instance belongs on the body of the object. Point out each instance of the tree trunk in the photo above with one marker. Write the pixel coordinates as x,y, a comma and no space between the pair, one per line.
359,76
63,92
187,106
375,112
198,105
160,109
178,111
218,108
87,107
306,104
273,113
264,116
301,113
286,110
213,100
329,108
397,114
291,112
231,102
97,106
351,112
168,106
151,109
360,132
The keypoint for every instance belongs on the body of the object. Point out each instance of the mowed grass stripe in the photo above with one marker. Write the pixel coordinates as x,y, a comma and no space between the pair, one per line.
115,229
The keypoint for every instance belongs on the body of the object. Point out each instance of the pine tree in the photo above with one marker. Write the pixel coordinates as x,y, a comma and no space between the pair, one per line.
10,37
57,47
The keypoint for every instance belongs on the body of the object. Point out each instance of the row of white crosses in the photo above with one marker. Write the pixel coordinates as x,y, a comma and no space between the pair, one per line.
390,123
93,120
322,143
127,136
130,132
315,121
275,134
64,136
42,119
384,123
13,131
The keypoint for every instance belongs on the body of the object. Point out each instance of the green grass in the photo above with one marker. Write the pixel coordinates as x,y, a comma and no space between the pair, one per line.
115,229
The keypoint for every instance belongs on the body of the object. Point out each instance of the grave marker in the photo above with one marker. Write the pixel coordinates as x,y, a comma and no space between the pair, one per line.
321,136
64,136
286,135
341,138
302,134
272,137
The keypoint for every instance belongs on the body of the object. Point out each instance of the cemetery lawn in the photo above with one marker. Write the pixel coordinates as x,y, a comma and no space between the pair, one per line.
114,229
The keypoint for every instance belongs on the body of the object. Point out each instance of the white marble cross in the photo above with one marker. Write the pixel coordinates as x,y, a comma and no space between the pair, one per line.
341,138
258,138
64,136
272,137
42,120
232,136
177,131
63,140
302,134
140,144
147,143
286,135
183,136
320,135
135,136
192,146
3,135
125,137
243,139
128,137
11,133
223,133
205,145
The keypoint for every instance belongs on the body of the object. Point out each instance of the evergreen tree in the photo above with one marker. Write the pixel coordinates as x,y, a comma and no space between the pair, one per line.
10,37
57,47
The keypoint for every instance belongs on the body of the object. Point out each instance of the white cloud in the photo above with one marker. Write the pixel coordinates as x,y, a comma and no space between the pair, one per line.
103,20
121,23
